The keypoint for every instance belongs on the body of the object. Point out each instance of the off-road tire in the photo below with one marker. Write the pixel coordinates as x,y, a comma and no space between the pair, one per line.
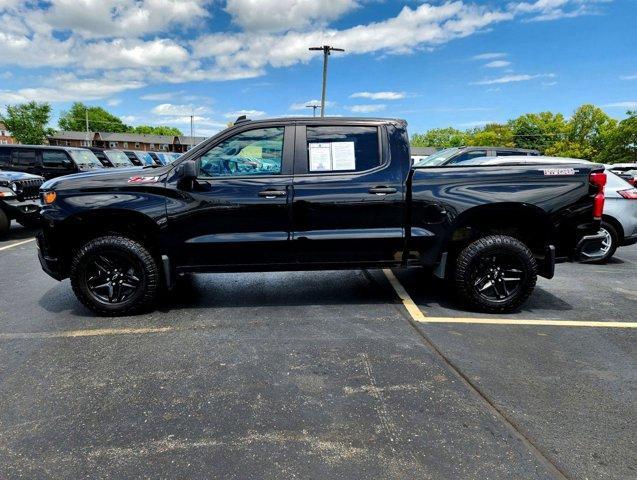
5,224
466,269
143,299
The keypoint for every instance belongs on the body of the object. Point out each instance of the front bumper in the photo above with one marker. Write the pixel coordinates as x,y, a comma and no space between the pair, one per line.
17,210
50,264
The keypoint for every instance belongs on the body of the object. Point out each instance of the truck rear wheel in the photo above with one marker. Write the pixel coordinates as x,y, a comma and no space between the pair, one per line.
114,276
5,224
495,274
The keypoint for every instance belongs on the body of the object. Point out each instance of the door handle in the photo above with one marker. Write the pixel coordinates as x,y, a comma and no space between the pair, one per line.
273,193
382,190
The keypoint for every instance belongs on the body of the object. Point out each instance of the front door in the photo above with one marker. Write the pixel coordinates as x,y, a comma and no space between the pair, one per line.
348,196
238,213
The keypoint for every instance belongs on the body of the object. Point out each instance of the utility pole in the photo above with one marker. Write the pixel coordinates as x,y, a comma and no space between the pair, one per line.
326,53
88,142
192,130
313,107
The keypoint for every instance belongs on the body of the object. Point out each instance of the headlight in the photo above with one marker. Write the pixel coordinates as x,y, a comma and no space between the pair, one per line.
6,193
14,187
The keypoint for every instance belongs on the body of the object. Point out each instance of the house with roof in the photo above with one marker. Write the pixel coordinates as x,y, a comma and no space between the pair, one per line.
125,141
5,136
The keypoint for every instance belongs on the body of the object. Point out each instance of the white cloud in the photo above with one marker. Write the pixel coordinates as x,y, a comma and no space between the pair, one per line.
626,105
160,96
513,78
113,102
277,15
544,10
498,64
377,107
628,77
379,95
116,18
177,110
476,123
247,113
68,88
133,53
489,56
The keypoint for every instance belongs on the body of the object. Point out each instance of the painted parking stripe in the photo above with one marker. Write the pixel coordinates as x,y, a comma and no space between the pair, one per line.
97,332
418,316
17,244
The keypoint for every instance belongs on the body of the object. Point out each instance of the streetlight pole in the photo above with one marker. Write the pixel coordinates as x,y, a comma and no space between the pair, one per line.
313,107
327,50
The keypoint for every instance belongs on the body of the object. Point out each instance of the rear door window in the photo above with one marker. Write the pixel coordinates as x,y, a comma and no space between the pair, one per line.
333,149
23,157
467,156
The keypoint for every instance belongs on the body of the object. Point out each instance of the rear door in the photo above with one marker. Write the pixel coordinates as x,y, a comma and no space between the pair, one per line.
348,197
25,160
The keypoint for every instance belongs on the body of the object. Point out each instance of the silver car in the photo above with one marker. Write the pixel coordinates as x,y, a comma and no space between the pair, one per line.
619,222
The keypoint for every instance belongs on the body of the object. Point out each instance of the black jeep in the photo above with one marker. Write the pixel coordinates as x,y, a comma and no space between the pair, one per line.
19,199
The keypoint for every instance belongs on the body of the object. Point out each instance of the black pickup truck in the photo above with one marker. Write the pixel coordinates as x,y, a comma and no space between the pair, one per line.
304,194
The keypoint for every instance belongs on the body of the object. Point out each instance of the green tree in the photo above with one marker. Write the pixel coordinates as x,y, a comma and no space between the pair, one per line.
621,144
99,120
156,130
587,133
538,131
493,134
27,122
439,138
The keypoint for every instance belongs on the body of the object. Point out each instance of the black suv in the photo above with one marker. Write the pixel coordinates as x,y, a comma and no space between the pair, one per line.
19,199
48,162
458,155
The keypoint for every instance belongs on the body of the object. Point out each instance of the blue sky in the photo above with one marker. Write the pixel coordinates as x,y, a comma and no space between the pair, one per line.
434,63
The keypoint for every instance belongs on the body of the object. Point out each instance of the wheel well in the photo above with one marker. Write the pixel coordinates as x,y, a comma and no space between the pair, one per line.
528,224
80,228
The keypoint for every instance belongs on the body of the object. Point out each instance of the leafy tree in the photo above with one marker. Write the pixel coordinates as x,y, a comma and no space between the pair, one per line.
156,130
621,144
27,122
538,131
439,138
99,120
493,134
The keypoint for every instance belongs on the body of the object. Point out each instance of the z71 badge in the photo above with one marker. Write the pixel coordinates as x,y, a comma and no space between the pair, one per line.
558,171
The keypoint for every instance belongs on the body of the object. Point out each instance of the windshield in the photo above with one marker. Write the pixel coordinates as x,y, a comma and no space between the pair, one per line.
85,158
146,158
437,158
118,158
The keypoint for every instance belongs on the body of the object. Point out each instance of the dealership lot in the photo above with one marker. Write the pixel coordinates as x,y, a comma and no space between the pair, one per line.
318,375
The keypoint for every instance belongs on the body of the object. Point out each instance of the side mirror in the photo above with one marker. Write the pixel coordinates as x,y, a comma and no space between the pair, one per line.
189,170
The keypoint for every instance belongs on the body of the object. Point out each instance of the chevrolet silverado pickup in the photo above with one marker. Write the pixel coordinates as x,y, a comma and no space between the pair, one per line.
309,194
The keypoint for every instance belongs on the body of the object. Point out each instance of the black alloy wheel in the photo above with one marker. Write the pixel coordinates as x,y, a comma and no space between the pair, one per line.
495,274
112,277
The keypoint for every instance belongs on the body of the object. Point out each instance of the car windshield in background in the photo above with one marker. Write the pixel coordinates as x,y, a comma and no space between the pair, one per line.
437,158
118,158
147,158
85,158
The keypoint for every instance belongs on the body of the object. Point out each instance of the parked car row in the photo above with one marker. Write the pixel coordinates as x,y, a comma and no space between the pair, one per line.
51,162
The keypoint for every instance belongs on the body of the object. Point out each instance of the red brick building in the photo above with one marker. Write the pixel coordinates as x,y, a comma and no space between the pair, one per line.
5,136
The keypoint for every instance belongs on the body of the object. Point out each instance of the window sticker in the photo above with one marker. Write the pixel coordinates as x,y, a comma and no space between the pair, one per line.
334,156
320,157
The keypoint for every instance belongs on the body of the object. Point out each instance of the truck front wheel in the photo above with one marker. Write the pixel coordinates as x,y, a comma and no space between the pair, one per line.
495,274
114,275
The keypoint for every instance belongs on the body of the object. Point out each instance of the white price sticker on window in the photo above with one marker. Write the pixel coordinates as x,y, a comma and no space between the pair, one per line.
333,156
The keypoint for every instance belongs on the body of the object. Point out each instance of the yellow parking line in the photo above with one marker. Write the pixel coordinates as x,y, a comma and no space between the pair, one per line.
16,244
418,316
83,333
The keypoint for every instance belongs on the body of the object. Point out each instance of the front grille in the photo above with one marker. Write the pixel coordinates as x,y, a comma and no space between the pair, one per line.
28,189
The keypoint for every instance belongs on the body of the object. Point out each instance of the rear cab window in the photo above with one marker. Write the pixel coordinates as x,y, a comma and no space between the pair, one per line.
340,149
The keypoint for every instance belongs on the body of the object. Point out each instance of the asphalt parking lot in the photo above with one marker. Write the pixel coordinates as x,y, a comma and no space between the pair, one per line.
319,375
